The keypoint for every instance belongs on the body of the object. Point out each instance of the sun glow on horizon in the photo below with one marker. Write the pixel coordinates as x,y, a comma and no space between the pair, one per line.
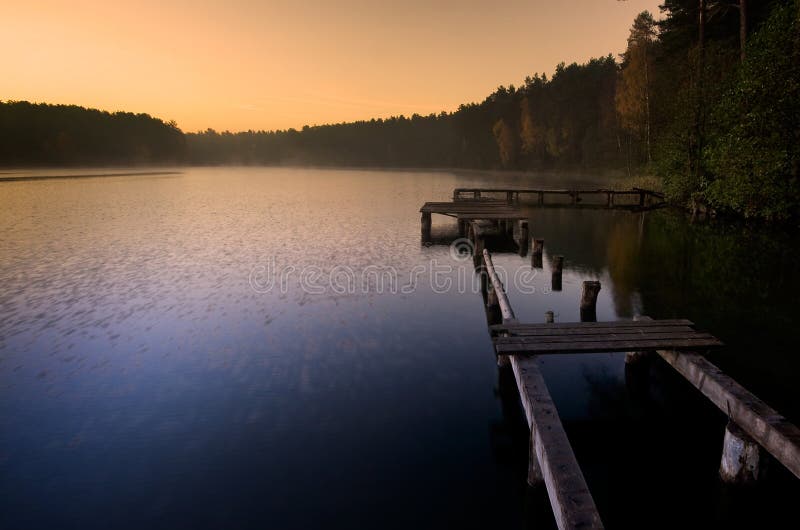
278,64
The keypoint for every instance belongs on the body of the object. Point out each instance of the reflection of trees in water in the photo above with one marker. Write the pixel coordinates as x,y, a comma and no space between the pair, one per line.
739,283
622,258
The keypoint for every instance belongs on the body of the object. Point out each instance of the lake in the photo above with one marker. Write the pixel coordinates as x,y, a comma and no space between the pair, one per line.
275,348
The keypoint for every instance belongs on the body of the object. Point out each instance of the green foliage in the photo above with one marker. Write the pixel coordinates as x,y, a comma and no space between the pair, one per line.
754,153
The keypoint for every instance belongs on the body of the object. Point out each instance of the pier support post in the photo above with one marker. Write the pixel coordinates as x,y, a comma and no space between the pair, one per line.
740,456
538,250
549,317
462,227
558,266
426,226
524,238
478,252
589,301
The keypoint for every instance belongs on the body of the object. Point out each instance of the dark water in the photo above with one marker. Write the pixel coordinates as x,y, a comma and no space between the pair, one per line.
151,376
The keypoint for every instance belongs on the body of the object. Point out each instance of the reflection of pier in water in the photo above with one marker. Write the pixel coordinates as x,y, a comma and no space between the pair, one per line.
752,427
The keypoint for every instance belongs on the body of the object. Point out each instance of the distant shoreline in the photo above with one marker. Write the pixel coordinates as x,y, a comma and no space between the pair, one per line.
84,175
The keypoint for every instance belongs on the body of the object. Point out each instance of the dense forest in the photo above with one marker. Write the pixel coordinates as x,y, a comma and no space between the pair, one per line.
41,134
706,96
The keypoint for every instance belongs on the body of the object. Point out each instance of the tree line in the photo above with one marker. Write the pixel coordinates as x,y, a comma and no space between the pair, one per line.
42,134
707,97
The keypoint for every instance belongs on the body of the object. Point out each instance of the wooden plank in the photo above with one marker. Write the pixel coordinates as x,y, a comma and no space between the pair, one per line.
610,324
771,430
490,215
569,495
497,285
506,346
608,337
633,330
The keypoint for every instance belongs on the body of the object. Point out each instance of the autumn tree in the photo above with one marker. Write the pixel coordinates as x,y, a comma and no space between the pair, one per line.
633,97
506,143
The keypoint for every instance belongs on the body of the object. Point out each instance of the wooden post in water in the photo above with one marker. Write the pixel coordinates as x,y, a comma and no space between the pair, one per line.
524,238
740,456
426,226
549,317
476,194
538,250
558,265
589,301
510,197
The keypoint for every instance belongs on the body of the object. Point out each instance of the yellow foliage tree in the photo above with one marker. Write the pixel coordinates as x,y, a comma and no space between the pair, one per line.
633,91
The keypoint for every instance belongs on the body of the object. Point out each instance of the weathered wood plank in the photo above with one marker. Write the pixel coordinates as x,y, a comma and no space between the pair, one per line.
507,346
569,495
502,298
763,423
586,325
607,337
633,330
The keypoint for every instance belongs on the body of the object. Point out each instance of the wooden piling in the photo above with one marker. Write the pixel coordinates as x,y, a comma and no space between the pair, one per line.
549,317
538,250
558,264
589,294
557,268
740,457
524,238
426,226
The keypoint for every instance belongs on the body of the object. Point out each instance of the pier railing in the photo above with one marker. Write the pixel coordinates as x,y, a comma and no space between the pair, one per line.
635,198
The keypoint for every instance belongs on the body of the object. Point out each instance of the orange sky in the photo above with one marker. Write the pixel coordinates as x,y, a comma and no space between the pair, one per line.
247,64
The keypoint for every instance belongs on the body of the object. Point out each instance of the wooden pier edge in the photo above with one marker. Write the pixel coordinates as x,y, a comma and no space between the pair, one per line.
764,424
572,503
570,499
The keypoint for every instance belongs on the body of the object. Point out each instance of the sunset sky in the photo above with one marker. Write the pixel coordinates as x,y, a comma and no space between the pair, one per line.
245,64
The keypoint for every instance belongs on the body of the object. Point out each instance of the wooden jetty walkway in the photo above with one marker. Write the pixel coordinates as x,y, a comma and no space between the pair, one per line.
753,426
477,204
573,198
596,337
752,423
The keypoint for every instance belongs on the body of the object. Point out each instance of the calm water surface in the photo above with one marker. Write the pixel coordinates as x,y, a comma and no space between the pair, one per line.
151,376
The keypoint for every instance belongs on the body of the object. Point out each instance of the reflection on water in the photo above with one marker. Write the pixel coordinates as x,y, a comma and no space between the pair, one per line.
144,381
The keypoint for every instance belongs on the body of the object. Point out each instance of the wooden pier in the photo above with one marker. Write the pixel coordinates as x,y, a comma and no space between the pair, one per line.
508,207
753,426
598,337
634,199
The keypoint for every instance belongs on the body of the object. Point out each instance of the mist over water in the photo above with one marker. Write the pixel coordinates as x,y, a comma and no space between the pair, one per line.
145,381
